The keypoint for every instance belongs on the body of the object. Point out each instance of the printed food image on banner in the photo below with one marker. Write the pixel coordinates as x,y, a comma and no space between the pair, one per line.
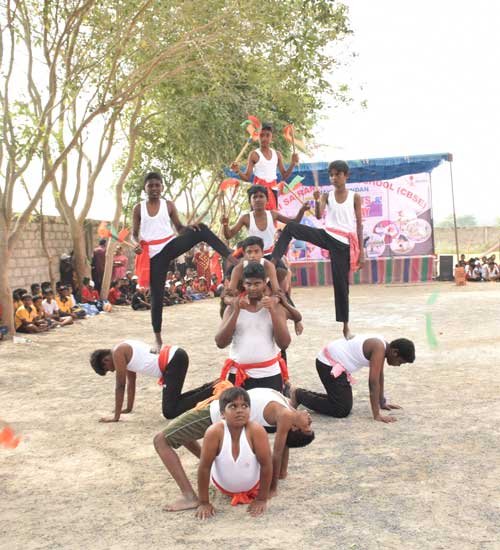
397,218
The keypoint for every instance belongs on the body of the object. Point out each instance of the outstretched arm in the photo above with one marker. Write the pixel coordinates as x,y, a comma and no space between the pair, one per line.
263,453
236,275
283,426
136,225
174,216
285,219
209,451
131,377
253,157
377,359
230,232
285,173
120,363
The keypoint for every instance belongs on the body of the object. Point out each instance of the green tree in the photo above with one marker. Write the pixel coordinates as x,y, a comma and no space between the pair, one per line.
467,220
184,73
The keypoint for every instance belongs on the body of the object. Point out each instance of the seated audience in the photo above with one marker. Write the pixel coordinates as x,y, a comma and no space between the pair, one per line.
115,295
139,300
26,317
52,310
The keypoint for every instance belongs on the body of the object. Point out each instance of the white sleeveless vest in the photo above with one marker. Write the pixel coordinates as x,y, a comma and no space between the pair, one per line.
340,216
240,475
156,227
143,361
267,235
266,169
253,342
349,353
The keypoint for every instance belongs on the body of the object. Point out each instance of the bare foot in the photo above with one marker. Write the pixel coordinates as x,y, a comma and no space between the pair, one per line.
158,343
293,397
183,503
347,332
299,328
283,475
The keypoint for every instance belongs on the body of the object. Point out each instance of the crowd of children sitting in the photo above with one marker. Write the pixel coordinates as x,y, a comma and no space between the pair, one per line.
483,269
42,308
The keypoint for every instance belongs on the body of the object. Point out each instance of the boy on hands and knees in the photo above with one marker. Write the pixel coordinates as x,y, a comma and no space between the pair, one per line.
170,367
237,456
337,361
157,245
270,409
341,237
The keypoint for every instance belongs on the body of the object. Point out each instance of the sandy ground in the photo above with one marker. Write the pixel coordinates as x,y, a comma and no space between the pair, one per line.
429,480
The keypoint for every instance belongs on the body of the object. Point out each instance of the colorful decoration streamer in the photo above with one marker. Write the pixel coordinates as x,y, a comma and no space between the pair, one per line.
111,233
431,336
8,439
289,134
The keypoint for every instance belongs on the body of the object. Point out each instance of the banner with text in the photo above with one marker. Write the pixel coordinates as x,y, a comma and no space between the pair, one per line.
397,218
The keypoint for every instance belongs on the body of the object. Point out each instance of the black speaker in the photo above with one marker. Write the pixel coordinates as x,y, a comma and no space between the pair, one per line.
446,268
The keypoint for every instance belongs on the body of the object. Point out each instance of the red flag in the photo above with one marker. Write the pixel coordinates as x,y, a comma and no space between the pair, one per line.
228,183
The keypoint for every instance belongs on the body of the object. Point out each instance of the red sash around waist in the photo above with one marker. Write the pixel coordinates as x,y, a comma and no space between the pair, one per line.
142,267
245,497
241,374
353,245
163,360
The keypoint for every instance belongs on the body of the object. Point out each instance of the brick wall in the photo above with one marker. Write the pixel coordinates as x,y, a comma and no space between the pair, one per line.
29,263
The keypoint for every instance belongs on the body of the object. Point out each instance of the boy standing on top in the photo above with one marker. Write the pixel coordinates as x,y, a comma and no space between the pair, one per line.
341,236
236,455
263,162
155,221
260,221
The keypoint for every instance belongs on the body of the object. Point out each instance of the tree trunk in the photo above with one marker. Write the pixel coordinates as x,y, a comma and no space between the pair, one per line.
80,261
108,268
5,290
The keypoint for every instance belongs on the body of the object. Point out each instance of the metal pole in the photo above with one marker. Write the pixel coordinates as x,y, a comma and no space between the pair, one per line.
434,253
453,203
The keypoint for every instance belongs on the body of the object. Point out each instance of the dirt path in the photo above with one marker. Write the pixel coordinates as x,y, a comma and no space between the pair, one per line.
429,480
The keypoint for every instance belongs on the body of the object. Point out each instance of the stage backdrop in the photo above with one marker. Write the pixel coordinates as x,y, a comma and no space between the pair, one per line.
397,211
397,218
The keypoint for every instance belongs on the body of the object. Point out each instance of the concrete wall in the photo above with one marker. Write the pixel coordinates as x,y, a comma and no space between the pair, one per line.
470,239
29,263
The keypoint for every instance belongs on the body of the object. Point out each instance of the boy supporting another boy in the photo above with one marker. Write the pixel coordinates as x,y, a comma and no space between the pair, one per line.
254,326
268,408
237,456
